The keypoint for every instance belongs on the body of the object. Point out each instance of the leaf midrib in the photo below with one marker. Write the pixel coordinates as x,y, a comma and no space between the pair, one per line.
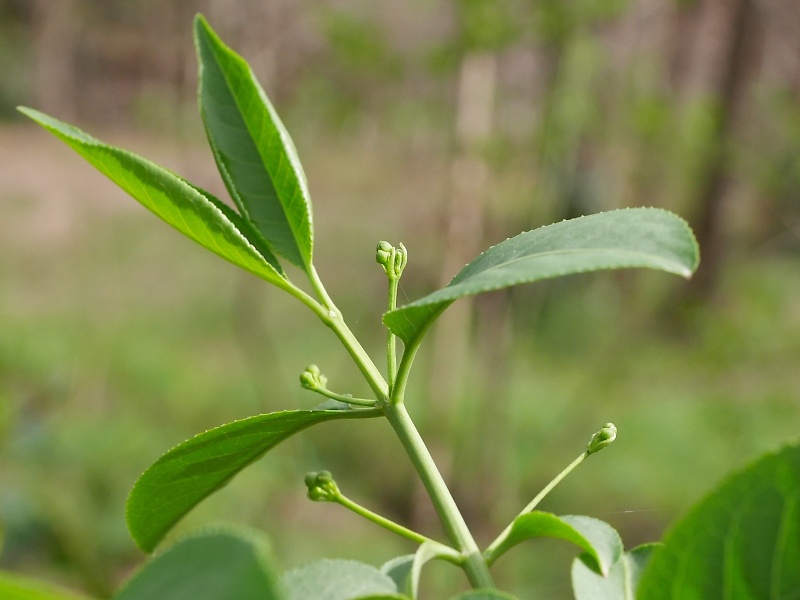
259,138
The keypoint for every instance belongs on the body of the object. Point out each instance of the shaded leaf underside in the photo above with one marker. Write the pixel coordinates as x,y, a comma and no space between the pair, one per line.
338,580
621,582
626,238
223,565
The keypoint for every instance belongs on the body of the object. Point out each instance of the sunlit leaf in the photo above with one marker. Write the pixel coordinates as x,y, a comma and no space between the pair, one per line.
627,238
198,467
597,538
193,212
741,541
223,565
253,150
621,582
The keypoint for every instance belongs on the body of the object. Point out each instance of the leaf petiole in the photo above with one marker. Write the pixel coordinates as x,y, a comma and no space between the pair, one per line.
346,398
599,440
323,488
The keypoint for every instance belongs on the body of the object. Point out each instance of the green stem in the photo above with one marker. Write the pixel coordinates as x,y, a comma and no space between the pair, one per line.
382,521
391,342
376,382
445,552
332,317
556,480
489,552
319,288
474,565
344,398
409,353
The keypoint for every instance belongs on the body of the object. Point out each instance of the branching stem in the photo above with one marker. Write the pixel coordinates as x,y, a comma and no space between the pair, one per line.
471,559
474,564
490,550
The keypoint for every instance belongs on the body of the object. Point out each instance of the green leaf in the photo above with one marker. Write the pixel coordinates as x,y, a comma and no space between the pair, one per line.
338,580
245,227
198,467
627,238
399,569
598,539
14,587
193,212
484,595
224,565
621,582
253,150
741,541
406,570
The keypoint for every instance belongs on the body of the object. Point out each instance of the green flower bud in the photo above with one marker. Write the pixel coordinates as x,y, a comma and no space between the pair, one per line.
602,438
383,254
313,379
393,260
322,487
400,260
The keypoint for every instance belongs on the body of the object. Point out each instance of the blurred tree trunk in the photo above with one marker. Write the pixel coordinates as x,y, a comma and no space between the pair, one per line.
464,221
258,30
55,24
469,182
708,221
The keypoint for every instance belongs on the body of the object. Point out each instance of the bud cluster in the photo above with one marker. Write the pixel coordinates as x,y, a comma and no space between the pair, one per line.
322,487
393,260
313,379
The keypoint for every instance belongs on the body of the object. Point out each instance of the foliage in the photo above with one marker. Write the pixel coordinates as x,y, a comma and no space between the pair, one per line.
260,167
742,541
13,587
223,565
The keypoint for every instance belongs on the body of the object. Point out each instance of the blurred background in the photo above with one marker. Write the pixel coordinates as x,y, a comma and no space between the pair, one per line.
448,125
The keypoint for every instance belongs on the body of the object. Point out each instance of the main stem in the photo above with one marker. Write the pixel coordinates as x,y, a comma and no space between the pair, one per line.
474,564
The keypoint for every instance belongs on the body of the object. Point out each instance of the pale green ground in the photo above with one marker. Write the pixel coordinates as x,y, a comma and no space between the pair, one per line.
119,339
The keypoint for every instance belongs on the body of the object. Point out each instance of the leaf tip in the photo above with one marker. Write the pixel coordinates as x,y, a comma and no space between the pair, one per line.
200,22
31,113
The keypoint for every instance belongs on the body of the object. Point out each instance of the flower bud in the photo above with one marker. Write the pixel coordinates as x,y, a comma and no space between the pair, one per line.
322,487
383,254
393,260
400,259
313,379
602,438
